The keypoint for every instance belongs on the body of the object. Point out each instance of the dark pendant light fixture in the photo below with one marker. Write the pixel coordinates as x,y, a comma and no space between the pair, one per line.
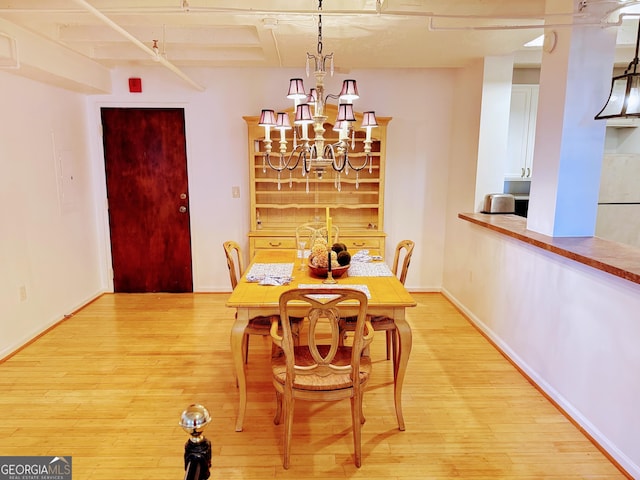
624,99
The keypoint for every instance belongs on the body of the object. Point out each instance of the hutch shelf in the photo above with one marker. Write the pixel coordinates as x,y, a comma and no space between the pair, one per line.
280,203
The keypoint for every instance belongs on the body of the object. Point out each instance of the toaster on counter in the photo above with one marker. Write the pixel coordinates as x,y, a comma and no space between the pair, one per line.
499,203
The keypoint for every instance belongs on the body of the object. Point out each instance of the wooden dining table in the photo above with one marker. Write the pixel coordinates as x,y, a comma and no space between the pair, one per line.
387,297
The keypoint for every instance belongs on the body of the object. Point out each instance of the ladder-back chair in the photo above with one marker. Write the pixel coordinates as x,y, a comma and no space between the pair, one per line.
257,325
401,261
321,368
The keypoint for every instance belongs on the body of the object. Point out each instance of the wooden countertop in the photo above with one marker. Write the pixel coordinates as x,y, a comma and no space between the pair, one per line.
615,258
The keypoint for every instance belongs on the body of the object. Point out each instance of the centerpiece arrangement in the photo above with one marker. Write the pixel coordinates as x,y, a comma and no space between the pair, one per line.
319,258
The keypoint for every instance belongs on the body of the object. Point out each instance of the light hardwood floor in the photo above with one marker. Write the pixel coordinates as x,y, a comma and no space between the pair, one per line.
107,387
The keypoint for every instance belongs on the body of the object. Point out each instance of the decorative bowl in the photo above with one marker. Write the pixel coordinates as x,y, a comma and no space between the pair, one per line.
322,272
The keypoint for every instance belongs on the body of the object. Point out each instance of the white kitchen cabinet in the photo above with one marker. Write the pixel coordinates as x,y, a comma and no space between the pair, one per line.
522,132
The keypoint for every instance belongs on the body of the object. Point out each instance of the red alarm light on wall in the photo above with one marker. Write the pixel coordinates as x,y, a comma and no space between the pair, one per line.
135,85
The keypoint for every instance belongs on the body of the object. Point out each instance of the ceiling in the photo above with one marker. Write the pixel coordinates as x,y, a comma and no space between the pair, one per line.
272,33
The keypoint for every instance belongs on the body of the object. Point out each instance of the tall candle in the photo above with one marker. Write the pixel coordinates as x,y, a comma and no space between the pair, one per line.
328,224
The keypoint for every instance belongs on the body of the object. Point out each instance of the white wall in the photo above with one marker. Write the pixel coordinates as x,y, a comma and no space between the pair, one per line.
417,163
493,137
417,154
48,242
573,329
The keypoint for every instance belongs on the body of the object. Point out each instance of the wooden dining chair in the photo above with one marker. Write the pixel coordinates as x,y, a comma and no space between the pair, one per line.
321,368
404,250
401,261
234,262
257,325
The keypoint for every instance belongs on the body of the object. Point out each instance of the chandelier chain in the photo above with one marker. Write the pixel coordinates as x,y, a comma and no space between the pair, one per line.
320,28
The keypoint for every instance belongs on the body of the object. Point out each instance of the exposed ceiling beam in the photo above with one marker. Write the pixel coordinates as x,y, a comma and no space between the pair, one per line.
152,53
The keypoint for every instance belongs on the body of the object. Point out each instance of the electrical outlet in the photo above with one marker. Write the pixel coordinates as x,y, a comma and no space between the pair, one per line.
235,192
23,293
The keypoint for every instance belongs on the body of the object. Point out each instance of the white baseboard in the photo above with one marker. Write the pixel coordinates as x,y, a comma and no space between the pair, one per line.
575,415
53,321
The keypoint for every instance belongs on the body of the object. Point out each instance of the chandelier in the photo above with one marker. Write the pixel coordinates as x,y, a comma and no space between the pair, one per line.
317,154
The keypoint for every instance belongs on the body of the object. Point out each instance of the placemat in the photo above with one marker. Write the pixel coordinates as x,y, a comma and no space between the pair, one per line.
369,269
259,271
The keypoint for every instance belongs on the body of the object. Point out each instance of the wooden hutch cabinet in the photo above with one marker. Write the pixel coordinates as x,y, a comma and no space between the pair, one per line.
278,206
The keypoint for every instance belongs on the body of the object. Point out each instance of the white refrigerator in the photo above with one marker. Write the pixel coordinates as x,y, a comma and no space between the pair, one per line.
619,201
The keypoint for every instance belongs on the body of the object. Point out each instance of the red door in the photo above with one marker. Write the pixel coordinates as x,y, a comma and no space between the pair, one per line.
146,170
